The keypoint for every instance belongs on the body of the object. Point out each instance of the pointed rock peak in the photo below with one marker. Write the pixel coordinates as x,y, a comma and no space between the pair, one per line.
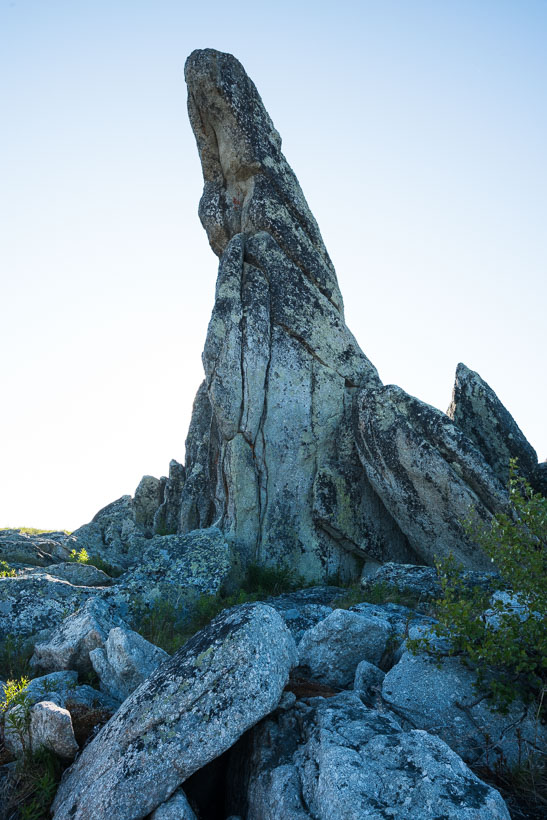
249,186
477,410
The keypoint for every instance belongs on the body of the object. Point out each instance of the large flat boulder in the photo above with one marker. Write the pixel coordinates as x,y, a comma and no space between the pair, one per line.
441,698
187,713
39,549
35,603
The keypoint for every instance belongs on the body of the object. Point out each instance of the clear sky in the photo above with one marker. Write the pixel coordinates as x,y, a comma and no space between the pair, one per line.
418,133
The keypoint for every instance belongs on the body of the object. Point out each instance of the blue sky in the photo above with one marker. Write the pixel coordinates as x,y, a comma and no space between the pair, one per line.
418,133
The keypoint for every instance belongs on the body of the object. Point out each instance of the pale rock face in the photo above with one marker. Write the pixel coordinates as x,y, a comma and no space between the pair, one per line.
436,699
126,660
187,713
477,411
71,643
336,759
50,726
269,432
427,472
332,649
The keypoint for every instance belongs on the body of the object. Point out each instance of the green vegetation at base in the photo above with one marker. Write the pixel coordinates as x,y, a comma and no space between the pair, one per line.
15,654
162,624
378,593
82,557
6,571
504,639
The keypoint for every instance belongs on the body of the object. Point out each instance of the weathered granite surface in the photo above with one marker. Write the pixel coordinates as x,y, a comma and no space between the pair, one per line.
479,413
270,441
189,711
429,475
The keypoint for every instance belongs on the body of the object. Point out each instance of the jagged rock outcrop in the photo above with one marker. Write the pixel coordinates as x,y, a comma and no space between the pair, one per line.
189,711
178,568
167,515
148,497
427,472
272,459
479,413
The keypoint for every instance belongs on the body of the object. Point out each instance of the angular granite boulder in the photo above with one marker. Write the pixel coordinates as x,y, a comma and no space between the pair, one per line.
189,711
429,475
479,413
336,759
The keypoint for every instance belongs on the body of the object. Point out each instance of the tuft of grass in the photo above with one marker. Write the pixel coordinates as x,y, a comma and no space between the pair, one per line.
164,625
33,785
523,787
15,654
83,557
379,593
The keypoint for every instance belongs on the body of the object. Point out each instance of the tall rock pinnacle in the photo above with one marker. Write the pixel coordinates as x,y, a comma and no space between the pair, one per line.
270,453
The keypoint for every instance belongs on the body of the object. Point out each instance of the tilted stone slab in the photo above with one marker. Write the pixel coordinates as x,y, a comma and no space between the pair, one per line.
429,475
188,712
477,411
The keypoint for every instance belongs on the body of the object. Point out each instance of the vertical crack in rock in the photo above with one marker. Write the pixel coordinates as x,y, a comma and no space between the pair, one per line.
318,466
278,357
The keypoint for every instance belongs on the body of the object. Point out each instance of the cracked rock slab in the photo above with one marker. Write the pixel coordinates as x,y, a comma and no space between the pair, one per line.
336,759
425,696
187,713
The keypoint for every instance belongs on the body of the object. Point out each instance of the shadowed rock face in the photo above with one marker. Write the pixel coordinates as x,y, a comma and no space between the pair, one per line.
477,411
272,459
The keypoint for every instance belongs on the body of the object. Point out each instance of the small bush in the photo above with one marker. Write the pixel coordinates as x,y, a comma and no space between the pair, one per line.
6,571
80,557
505,640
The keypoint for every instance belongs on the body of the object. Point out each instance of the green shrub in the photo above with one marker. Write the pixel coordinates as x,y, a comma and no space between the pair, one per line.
80,557
507,647
6,571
